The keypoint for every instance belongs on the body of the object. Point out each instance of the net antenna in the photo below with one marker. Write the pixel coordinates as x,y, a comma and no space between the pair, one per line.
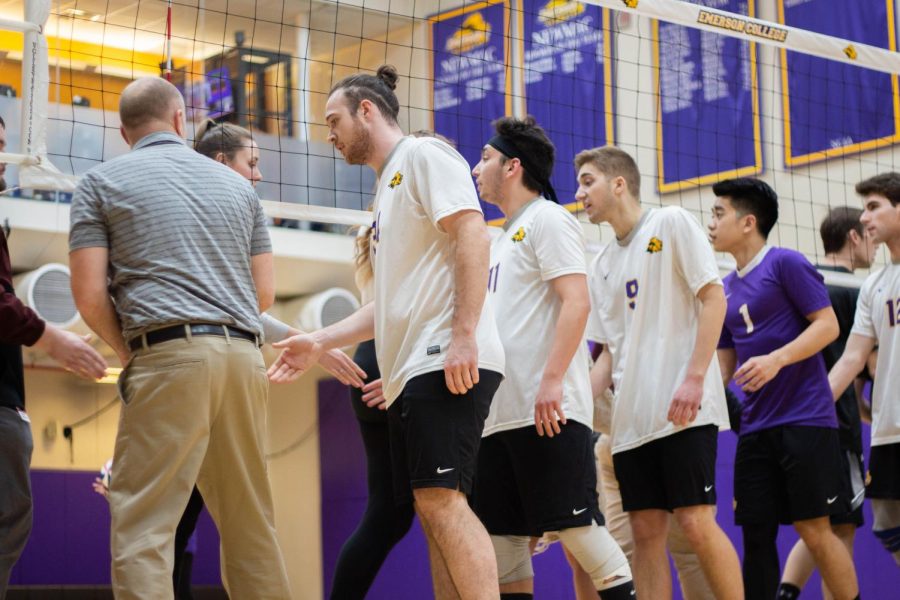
168,69
35,170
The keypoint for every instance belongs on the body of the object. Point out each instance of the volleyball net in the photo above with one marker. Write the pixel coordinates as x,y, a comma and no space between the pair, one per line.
802,93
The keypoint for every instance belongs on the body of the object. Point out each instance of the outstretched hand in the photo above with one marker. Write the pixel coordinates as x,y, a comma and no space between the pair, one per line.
343,368
73,352
299,354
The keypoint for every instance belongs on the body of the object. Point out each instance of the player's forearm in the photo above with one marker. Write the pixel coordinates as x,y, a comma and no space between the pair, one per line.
471,255
567,337
601,374
709,329
820,333
844,371
99,313
358,327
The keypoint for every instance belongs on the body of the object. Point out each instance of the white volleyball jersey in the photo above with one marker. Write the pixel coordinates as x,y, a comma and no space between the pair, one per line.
422,181
878,317
645,308
540,243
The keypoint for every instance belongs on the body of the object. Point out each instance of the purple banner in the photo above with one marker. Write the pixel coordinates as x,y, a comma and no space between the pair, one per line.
69,542
568,71
709,124
832,108
471,76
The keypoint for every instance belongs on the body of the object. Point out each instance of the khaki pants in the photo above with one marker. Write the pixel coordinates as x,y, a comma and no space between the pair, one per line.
194,410
690,574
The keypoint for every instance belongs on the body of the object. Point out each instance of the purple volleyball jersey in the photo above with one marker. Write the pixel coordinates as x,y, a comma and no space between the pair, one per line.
767,309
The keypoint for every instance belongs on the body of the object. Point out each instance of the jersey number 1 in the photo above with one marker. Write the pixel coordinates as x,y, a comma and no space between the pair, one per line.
745,312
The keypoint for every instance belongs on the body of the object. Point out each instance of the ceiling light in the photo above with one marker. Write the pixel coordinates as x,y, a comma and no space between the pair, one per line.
77,13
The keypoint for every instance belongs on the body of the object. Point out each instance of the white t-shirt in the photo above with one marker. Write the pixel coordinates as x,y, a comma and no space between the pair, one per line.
422,181
878,317
540,243
645,308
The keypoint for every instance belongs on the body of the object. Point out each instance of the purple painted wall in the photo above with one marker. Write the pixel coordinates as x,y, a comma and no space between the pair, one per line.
405,575
69,544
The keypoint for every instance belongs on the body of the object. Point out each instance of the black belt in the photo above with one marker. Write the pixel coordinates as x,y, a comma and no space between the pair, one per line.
176,332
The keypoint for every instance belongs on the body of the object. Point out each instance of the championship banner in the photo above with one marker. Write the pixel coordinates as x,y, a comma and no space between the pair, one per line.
708,124
471,76
568,81
832,109
752,29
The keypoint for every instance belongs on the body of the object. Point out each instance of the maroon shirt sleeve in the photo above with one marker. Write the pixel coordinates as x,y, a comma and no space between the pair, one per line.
18,323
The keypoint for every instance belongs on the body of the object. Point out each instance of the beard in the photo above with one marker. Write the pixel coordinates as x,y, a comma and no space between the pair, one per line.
357,150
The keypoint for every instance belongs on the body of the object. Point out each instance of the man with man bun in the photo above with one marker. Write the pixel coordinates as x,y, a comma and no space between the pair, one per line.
437,345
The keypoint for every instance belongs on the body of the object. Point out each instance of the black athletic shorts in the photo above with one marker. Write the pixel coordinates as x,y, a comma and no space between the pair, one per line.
671,472
787,474
883,479
435,434
854,489
528,485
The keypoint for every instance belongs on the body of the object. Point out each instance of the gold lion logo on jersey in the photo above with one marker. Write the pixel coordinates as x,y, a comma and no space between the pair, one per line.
630,3
519,235
396,180
851,52
654,246
868,477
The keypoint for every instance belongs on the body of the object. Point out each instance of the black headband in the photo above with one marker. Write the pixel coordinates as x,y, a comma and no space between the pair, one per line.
510,150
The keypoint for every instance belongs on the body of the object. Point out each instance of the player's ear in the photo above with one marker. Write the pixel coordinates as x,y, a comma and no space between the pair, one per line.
749,222
854,237
365,108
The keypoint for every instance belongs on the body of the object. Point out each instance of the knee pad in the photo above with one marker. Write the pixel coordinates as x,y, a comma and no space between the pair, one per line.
598,554
887,525
513,557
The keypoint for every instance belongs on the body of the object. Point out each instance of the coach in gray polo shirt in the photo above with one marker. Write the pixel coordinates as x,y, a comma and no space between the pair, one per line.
171,265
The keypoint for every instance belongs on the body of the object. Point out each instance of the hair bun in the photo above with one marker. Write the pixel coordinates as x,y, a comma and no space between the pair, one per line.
388,74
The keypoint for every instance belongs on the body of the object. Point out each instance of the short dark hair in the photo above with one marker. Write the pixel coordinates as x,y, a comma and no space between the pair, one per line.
531,139
2,123
751,196
837,226
883,184
378,89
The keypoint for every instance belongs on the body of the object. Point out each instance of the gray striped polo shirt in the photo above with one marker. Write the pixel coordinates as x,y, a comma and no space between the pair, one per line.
180,229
